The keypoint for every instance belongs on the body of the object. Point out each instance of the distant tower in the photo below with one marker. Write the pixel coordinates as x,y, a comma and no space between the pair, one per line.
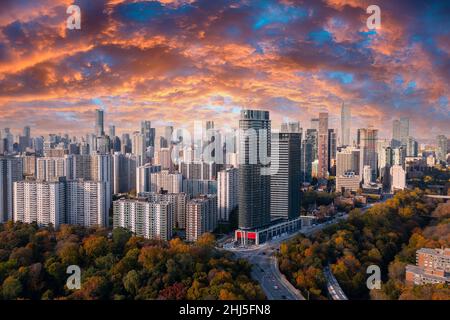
367,142
99,129
345,125
323,145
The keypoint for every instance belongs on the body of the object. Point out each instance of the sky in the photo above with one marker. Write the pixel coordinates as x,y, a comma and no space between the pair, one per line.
175,61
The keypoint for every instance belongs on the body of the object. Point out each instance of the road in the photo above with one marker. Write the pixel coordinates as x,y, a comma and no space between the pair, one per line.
334,289
265,271
265,265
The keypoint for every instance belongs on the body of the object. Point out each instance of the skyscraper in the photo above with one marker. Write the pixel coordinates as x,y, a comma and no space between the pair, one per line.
345,125
124,172
442,148
367,142
332,148
400,132
99,127
285,179
323,145
148,132
138,148
254,174
227,192
11,170
309,154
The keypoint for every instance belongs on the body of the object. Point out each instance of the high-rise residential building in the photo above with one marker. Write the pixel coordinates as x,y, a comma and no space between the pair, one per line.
285,178
165,137
163,157
345,125
367,142
201,216
53,168
309,154
349,169
88,202
148,132
332,149
367,175
178,201
254,169
200,170
399,155
170,182
101,168
412,147
11,170
442,148
138,148
291,127
315,124
385,160
227,192
29,165
124,172
400,132
148,219
42,202
99,124
397,178
348,159
144,176
323,145
112,131
196,187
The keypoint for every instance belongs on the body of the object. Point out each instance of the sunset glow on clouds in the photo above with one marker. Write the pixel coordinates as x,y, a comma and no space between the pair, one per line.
184,60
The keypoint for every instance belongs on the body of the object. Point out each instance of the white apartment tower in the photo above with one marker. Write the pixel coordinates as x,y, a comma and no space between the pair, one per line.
88,202
148,219
227,192
42,202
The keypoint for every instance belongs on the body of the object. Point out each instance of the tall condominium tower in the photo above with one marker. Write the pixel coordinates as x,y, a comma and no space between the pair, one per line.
124,172
285,179
88,202
99,127
148,219
148,132
309,154
138,148
201,216
400,132
345,125
227,192
42,202
254,174
11,170
323,145
332,148
442,148
367,142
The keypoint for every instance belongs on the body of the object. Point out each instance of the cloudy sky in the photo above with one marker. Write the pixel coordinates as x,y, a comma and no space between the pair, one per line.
180,60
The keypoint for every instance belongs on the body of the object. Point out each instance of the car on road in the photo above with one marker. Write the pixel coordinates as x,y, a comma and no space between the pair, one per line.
275,287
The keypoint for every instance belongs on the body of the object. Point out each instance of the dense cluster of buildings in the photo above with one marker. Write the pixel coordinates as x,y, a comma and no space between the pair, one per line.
164,180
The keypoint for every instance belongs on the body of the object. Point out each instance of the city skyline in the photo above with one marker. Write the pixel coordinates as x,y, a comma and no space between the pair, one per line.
290,59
